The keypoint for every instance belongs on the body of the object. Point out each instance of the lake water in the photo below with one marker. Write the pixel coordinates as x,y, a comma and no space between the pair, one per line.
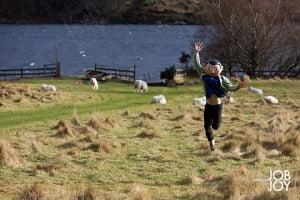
151,48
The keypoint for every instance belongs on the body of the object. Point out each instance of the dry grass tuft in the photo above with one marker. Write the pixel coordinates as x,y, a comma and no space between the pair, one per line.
166,110
7,92
139,192
148,134
23,94
95,122
34,192
126,113
147,115
276,124
70,144
185,181
64,129
272,196
19,99
145,123
35,147
289,150
185,116
49,168
88,194
102,145
8,155
231,146
204,194
75,120
236,183
90,131
98,123
111,122
253,150
296,139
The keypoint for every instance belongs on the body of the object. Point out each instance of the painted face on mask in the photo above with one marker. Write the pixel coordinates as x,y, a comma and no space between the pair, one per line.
213,68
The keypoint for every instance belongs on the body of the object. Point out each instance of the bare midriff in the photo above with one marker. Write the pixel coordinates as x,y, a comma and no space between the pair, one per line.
213,100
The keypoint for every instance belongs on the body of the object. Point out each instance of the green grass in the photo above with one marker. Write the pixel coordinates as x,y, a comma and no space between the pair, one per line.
111,96
111,162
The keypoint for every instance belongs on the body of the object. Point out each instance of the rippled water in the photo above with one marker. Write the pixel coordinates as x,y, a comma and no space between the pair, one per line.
151,48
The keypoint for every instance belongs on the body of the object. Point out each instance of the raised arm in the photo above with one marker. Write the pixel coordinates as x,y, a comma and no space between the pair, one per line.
197,48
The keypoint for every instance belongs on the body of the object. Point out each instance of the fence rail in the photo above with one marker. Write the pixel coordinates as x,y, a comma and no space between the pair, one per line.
122,74
46,71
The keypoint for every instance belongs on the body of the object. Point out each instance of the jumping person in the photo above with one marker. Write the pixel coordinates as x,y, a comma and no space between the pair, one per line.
216,86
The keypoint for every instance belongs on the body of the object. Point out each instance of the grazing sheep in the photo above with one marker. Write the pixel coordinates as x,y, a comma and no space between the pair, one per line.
255,90
48,87
94,83
201,101
160,99
140,86
270,100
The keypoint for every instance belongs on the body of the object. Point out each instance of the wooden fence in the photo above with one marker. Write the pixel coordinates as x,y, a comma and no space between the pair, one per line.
121,74
49,70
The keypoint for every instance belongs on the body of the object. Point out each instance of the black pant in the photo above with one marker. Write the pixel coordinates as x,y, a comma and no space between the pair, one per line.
212,119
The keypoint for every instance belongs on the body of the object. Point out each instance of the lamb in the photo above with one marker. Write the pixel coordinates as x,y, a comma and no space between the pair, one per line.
48,87
94,83
160,99
255,90
270,100
140,86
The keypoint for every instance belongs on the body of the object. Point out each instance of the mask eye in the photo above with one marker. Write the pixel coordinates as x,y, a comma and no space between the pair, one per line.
208,68
217,68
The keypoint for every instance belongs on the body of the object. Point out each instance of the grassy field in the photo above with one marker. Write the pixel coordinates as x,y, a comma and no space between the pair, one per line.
80,144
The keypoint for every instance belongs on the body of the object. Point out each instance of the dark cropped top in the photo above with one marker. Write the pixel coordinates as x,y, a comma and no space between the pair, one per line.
212,85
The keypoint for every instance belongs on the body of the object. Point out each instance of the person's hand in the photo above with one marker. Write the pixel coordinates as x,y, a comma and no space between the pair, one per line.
242,84
198,47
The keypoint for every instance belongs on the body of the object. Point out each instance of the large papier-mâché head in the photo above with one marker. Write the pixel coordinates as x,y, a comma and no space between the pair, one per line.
213,67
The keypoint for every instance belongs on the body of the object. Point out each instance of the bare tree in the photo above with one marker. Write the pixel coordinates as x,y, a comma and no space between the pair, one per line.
253,35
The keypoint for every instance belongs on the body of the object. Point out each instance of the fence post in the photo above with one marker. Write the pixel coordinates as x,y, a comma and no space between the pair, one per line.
58,69
134,68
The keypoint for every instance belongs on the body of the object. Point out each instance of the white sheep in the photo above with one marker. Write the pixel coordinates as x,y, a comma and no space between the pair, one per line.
160,99
94,83
255,90
48,87
140,86
201,101
270,100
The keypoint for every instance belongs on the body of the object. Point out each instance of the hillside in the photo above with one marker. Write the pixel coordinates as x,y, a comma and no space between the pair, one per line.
107,11
159,11
100,12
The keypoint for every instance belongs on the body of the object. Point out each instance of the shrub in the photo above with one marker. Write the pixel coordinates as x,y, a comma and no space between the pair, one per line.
168,73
